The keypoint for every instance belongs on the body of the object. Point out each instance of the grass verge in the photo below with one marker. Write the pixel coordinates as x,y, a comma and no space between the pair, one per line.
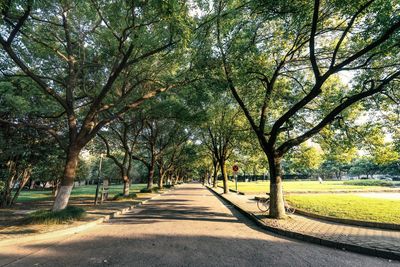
349,207
70,213
306,186
84,191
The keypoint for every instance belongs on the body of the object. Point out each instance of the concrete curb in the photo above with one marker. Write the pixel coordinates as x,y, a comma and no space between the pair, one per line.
312,239
75,229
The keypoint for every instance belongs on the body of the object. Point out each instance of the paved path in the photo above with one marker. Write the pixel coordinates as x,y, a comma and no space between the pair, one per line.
185,227
386,240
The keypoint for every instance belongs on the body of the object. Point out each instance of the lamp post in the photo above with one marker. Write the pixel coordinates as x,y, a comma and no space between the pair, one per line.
98,180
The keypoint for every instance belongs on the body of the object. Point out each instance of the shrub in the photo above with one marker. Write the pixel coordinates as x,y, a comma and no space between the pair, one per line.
369,183
2,184
121,196
66,215
145,190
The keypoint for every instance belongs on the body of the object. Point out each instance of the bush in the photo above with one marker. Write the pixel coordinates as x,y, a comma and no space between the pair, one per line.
369,183
145,190
2,184
168,186
66,215
121,196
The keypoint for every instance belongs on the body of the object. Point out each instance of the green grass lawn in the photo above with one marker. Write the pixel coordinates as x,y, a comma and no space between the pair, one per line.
349,206
77,192
300,186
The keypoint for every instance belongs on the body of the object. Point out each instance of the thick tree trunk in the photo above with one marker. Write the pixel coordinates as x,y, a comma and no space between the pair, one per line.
127,184
224,175
150,176
125,179
215,174
67,181
161,180
276,204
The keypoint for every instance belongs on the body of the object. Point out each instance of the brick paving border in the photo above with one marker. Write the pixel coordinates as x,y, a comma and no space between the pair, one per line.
340,242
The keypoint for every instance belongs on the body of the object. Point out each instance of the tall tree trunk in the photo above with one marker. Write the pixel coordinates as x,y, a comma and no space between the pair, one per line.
126,180
25,177
67,181
161,175
5,197
150,175
215,174
276,204
224,175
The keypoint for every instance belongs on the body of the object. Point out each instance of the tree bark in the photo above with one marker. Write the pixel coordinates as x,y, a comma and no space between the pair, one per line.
126,180
25,177
276,204
150,175
67,181
161,178
5,197
224,175
215,174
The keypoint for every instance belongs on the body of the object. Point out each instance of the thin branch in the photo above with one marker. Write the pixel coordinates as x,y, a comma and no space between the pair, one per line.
312,40
346,31
336,111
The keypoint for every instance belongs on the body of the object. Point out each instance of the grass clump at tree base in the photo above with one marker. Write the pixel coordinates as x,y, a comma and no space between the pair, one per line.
70,213
121,196
146,190
346,206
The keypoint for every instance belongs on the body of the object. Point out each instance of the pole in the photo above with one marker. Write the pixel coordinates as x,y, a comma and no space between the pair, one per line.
236,182
98,180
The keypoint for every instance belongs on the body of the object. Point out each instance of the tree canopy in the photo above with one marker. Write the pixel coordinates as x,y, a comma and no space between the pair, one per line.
173,89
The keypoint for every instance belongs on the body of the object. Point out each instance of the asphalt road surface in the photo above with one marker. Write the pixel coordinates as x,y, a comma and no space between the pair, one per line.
188,226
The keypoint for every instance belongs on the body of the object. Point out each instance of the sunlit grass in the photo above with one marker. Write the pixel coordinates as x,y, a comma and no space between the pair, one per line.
349,206
303,186
86,191
66,215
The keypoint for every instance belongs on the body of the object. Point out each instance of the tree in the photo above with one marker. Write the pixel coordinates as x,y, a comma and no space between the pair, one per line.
220,134
280,62
304,159
95,60
23,154
123,137
364,165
